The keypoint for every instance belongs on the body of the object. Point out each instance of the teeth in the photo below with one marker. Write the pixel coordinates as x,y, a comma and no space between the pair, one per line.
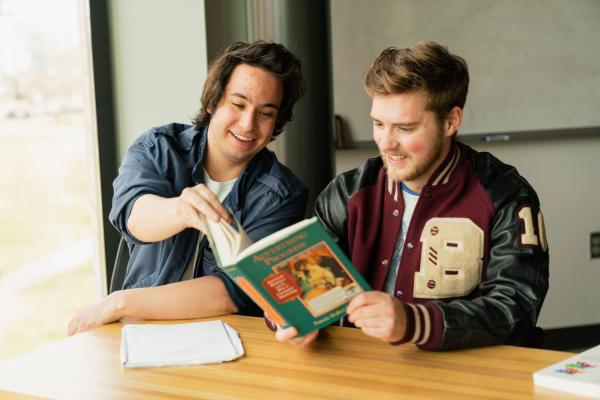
242,138
396,158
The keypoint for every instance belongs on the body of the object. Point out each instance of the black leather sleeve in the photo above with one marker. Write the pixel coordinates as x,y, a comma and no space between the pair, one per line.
516,278
330,209
331,204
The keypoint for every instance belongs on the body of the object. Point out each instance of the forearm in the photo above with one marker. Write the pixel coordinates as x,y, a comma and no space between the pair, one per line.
195,298
153,218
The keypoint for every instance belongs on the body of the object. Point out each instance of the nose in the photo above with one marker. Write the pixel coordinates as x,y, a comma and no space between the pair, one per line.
247,120
385,139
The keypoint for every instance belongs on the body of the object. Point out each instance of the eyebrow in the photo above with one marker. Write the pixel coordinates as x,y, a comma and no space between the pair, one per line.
244,97
408,124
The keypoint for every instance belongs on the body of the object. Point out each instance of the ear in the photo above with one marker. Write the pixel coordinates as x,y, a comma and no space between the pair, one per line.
453,121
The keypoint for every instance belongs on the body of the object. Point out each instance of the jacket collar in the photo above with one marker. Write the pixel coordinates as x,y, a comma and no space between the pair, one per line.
441,175
187,137
444,172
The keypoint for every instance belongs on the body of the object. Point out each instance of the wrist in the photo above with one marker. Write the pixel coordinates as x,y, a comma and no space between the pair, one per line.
399,334
404,324
175,212
117,304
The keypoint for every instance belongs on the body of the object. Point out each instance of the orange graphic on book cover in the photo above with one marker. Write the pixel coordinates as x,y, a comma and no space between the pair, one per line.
259,300
322,280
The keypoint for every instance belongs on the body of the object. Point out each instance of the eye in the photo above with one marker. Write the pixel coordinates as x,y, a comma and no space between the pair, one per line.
238,105
267,114
377,124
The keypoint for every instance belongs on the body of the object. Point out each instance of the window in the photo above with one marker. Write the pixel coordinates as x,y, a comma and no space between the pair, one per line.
49,252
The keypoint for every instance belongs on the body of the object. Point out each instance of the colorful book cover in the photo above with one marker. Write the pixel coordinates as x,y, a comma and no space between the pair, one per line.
579,374
303,279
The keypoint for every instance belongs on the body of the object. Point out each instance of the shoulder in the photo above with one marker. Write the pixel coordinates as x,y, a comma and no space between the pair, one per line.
174,135
333,201
331,206
270,195
270,172
350,182
501,181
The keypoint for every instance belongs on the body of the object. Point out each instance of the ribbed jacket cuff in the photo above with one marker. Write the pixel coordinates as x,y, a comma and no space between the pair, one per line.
422,326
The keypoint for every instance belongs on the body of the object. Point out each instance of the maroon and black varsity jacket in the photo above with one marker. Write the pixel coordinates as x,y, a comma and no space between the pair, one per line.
474,270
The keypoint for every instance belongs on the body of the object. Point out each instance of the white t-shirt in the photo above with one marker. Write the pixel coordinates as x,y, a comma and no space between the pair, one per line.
410,201
221,189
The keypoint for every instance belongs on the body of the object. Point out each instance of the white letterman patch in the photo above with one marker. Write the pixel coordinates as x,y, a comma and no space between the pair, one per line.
451,258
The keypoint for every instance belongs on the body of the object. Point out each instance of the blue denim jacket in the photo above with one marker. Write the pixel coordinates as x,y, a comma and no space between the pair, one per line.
163,161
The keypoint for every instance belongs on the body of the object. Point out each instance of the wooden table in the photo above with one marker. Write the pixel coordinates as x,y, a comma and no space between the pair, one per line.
342,364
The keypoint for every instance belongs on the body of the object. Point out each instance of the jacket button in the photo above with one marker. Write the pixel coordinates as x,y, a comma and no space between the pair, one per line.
410,246
427,194
396,213
399,293
384,262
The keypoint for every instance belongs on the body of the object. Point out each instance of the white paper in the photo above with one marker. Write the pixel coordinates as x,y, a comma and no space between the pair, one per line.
152,345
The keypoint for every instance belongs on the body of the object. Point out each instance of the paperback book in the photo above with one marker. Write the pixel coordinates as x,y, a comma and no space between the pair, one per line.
299,276
579,374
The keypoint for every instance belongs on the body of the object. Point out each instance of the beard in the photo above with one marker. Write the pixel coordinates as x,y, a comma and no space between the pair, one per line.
414,167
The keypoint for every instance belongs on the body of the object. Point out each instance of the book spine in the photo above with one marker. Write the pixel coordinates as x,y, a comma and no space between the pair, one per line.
260,301
238,277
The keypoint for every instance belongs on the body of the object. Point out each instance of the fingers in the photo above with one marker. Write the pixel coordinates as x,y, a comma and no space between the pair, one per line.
369,305
374,323
290,335
377,332
304,340
209,204
72,327
364,312
386,329
379,315
200,199
78,324
363,299
92,316
285,334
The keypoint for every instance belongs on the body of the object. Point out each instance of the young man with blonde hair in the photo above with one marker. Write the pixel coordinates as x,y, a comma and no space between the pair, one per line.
451,240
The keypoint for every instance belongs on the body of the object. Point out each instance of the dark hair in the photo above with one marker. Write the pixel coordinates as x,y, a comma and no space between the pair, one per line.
428,67
272,57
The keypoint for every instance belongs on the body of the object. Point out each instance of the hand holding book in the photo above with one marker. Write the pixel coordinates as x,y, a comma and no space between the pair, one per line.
298,275
197,203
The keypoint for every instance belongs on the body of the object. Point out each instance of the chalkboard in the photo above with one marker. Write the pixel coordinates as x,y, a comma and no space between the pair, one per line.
534,65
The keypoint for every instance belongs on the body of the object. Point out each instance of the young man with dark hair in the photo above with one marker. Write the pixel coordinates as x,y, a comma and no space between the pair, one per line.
173,173
451,240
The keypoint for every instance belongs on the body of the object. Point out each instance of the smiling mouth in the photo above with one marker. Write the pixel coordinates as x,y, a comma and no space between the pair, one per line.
396,157
242,138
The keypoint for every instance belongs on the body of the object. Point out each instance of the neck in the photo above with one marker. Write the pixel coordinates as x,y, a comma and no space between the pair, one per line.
221,170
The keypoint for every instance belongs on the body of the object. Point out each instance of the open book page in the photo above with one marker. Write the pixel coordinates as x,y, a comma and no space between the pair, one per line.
225,240
275,237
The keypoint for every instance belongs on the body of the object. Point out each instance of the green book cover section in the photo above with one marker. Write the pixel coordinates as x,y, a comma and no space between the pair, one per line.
303,280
